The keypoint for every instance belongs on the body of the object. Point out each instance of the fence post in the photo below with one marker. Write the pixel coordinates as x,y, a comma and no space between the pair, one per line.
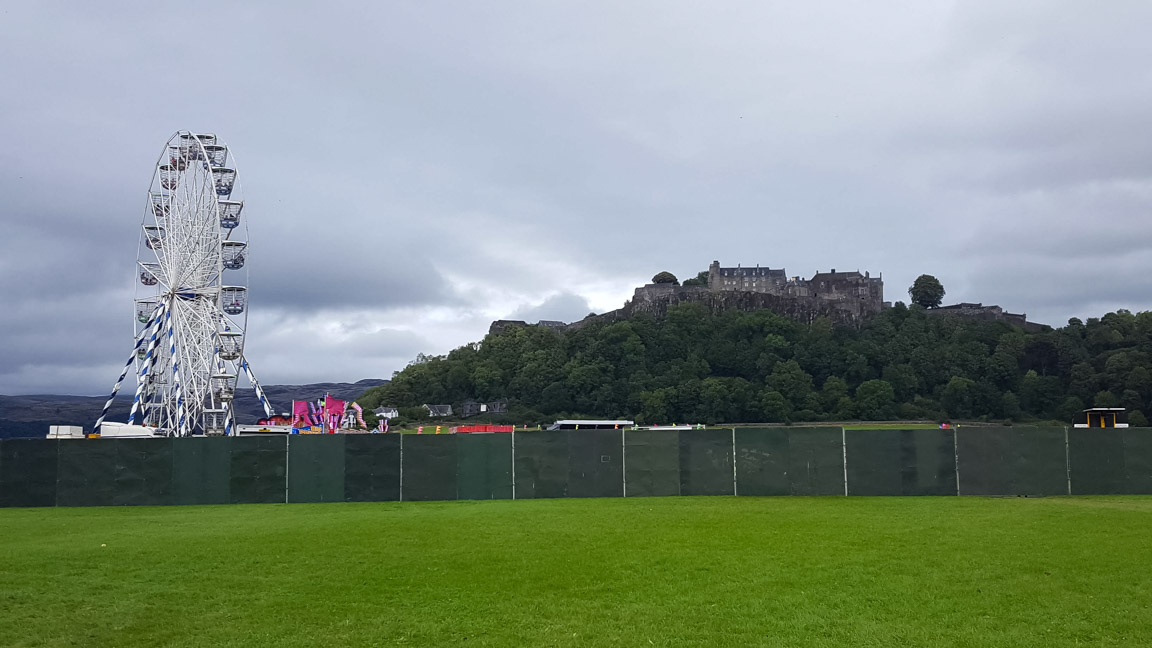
844,454
956,452
734,491
513,462
287,458
1067,461
401,498
623,462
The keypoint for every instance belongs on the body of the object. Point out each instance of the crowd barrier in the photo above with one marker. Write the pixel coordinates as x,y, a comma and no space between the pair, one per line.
575,463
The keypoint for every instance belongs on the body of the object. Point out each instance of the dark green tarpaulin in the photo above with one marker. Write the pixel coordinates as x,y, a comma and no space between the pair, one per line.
928,462
143,471
28,471
816,461
984,461
87,473
652,463
372,468
762,461
1012,461
484,466
1138,461
874,462
201,470
429,467
316,467
1039,462
541,464
595,463
706,462
1096,461
258,469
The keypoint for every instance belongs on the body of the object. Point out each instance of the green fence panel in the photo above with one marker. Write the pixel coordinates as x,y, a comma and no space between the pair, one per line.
984,461
484,466
595,463
541,464
1138,461
928,462
258,469
874,462
816,461
201,470
86,473
143,471
1096,461
28,471
429,467
651,463
762,461
316,467
706,462
372,468
1039,461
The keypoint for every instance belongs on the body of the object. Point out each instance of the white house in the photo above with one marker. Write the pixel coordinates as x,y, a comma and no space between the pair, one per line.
386,412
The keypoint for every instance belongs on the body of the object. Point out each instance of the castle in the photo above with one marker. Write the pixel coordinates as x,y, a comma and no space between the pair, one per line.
860,293
845,298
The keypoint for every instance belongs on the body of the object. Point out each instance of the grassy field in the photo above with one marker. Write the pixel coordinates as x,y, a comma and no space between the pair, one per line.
717,571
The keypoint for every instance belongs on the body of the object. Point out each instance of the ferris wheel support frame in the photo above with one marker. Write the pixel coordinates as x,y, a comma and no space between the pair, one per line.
186,383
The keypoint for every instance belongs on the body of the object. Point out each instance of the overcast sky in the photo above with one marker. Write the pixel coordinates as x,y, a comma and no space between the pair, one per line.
414,170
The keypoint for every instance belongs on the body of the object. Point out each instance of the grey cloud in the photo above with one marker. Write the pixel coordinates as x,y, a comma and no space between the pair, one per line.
564,307
437,169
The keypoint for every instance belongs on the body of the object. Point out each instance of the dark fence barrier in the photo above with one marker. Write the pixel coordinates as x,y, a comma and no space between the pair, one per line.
575,463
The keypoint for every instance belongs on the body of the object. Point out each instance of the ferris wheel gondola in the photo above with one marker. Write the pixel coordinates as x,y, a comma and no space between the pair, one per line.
191,307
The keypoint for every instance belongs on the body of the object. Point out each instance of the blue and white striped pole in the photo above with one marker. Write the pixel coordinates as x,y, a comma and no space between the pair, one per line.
149,360
256,385
176,378
131,358
152,397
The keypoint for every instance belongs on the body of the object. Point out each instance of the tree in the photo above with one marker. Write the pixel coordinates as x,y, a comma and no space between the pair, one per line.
957,397
701,279
875,400
788,379
926,291
665,278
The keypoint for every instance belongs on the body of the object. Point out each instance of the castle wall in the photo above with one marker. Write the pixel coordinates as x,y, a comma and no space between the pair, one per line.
656,299
985,313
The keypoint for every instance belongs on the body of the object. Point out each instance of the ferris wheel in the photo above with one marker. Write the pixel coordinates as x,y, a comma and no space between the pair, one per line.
191,304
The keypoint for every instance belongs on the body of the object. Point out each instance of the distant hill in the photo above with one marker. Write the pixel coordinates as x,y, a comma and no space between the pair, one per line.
30,416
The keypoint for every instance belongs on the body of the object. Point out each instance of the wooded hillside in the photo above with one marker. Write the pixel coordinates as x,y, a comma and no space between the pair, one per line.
749,367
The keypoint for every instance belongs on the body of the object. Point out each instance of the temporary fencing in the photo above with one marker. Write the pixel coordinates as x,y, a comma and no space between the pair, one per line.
575,463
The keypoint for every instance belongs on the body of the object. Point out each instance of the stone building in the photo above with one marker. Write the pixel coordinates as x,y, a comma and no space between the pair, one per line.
991,313
845,298
867,291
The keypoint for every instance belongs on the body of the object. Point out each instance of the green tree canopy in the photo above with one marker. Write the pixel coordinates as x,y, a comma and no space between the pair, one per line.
701,279
665,278
698,366
926,291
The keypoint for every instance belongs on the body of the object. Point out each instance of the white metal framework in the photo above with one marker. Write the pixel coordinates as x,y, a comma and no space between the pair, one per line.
191,305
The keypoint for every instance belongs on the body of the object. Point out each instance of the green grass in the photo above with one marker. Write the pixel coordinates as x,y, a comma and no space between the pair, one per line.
718,571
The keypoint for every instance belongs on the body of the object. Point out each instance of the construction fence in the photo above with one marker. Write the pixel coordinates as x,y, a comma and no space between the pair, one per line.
575,463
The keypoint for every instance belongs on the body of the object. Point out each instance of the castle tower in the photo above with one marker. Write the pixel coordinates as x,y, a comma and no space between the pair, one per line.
714,276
